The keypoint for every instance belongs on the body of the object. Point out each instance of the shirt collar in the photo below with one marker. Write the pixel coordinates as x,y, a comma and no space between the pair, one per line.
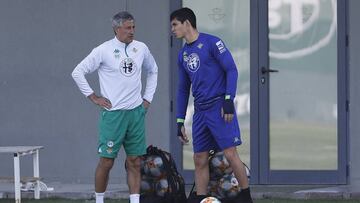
119,43
194,42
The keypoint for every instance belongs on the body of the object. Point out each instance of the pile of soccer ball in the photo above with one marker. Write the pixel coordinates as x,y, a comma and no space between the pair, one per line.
223,183
153,176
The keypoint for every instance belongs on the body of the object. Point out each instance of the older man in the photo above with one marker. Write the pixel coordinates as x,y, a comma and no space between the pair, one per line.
119,63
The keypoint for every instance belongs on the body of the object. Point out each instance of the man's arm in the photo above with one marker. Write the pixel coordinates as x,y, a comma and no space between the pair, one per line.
88,65
151,77
224,57
183,92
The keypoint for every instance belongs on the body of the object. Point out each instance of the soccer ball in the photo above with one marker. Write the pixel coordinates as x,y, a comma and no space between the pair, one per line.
219,166
210,200
228,186
162,187
146,185
154,166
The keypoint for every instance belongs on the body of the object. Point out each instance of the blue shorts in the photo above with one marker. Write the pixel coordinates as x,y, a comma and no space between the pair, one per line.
210,131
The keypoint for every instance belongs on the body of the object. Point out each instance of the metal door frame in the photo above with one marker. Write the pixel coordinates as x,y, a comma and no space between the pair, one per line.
260,159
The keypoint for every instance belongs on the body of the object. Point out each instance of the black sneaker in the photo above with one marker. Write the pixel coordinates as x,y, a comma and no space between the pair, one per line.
151,199
244,196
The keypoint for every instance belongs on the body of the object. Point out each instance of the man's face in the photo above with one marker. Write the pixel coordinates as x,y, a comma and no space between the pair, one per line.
125,33
178,28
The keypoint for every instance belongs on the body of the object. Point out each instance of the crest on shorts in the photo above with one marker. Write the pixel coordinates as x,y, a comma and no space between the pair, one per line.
109,150
110,144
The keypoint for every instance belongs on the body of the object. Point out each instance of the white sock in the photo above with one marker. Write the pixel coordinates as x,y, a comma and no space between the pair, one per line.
134,198
99,197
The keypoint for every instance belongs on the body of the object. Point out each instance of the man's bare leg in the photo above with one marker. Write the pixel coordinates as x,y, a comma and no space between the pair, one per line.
102,174
102,177
134,177
201,161
240,173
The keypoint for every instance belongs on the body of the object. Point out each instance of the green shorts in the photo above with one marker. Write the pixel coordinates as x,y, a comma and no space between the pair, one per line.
122,127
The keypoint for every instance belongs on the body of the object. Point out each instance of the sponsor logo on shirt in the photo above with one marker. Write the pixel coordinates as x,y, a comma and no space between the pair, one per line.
220,45
116,53
185,57
193,62
128,67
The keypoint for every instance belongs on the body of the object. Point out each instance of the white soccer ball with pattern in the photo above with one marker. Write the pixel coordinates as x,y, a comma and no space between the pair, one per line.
219,166
210,200
162,187
228,186
154,167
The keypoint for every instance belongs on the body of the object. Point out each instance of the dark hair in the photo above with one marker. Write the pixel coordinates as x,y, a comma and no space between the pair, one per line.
184,14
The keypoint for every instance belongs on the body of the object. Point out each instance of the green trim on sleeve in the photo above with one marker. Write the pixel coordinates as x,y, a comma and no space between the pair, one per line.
180,120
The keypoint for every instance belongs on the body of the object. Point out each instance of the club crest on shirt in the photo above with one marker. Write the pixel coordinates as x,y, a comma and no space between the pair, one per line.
128,67
193,62
221,47
200,45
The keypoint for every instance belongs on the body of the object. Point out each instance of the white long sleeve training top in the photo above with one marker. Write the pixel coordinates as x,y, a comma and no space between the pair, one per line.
119,68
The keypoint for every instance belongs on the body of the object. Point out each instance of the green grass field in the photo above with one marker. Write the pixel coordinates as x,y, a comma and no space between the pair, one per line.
126,201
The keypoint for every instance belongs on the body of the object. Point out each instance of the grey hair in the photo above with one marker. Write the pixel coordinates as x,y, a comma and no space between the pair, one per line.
118,19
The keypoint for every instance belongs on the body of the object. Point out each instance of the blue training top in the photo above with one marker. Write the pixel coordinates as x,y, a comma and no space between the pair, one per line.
209,67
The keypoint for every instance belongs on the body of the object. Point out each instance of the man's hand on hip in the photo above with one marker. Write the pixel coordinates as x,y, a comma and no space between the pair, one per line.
100,101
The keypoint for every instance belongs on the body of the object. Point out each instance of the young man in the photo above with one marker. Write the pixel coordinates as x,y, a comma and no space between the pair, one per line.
207,65
119,62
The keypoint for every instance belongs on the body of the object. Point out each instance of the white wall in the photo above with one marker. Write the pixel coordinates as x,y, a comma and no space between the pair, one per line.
40,44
